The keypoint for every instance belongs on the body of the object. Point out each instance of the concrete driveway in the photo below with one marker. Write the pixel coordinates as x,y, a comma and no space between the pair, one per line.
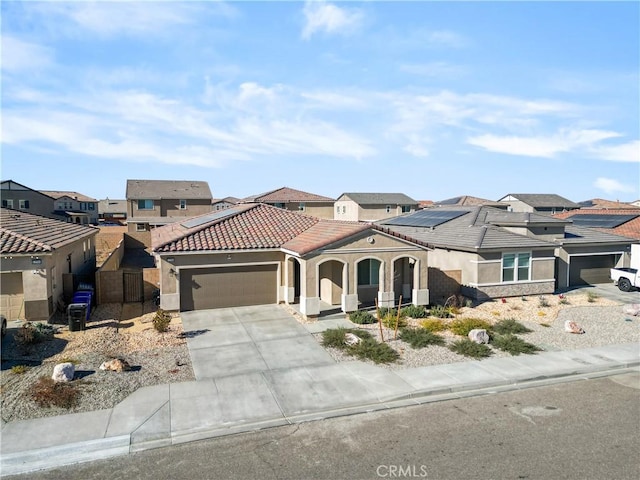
241,340
610,291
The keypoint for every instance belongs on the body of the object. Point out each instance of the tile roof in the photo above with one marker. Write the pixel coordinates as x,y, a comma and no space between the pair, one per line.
253,226
112,206
170,189
467,200
61,193
379,198
22,232
233,200
544,200
286,194
630,229
599,203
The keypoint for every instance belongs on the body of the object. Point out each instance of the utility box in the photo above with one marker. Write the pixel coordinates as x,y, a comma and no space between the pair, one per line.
77,316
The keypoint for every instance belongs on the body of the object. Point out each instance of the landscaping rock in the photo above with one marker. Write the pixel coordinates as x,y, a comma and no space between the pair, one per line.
351,339
479,335
573,327
115,365
63,372
631,309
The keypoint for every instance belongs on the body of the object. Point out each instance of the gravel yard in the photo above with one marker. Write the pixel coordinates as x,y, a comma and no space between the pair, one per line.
155,358
603,321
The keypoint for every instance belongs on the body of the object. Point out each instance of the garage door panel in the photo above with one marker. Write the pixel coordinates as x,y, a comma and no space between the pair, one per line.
11,296
228,287
591,270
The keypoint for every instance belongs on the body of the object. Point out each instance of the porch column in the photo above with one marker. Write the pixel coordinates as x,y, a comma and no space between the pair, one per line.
349,301
386,298
419,294
309,297
289,282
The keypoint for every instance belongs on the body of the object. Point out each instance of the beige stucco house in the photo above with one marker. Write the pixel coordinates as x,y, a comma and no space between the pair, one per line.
259,254
371,207
296,201
152,203
41,260
545,203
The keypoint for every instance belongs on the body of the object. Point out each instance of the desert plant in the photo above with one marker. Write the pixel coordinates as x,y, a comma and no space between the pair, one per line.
592,297
463,326
46,393
509,325
433,325
420,337
26,335
468,303
334,337
362,317
19,369
469,348
161,321
390,320
384,311
543,302
546,325
440,311
563,301
373,350
514,345
414,311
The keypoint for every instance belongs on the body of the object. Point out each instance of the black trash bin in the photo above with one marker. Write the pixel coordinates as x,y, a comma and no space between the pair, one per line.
77,315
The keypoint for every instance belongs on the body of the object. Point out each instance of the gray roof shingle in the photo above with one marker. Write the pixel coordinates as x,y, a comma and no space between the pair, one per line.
169,189
379,198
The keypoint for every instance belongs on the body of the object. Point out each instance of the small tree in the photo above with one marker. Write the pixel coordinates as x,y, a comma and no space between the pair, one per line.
161,320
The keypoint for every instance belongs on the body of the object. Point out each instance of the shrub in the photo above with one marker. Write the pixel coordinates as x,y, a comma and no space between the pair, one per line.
373,350
563,301
362,317
433,325
439,311
390,321
384,311
469,348
334,337
414,311
514,345
545,325
31,333
45,392
463,326
420,337
542,302
509,325
19,369
592,297
161,321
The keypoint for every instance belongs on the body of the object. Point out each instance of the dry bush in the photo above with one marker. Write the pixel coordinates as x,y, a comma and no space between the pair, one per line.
46,393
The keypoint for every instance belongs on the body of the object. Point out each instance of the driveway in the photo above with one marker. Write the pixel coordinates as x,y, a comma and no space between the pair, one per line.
241,340
611,292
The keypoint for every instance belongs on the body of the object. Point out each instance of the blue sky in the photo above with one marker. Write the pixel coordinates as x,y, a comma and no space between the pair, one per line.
432,99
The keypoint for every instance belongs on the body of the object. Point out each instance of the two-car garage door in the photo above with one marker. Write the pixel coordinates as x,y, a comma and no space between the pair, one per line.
219,287
590,270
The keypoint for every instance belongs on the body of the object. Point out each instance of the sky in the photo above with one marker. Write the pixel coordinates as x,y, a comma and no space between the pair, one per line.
431,99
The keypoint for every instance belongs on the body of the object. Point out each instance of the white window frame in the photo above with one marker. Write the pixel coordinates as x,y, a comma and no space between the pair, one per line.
182,204
23,204
8,201
141,227
516,266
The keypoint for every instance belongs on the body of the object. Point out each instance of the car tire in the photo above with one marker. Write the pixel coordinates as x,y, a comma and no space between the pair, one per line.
624,284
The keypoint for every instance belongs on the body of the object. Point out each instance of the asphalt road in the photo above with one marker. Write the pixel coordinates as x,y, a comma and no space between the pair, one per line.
587,429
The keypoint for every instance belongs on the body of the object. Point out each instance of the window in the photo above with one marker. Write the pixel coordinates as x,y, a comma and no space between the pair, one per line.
369,272
141,227
279,205
183,204
145,204
301,207
515,267
7,202
338,209
406,209
24,204
83,205
344,209
92,206
388,208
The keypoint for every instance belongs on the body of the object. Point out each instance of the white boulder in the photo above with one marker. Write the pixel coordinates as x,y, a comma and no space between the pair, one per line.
479,335
63,372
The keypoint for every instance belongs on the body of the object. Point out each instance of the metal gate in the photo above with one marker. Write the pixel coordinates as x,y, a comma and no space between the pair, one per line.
133,287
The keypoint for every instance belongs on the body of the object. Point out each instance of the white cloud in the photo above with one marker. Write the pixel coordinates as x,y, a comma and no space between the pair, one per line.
626,152
325,17
611,186
541,146
20,56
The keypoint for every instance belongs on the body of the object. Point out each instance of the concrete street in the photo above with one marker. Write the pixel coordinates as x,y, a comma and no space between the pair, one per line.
585,429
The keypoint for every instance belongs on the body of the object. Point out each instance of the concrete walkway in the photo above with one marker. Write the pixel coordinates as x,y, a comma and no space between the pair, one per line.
257,367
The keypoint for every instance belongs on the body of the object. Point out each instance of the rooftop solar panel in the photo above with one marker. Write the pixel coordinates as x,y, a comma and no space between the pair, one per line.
600,221
210,217
426,218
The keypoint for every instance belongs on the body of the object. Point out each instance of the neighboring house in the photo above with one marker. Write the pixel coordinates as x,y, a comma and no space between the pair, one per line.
112,211
153,203
635,203
20,197
468,201
538,202
600,203
370,207
74,206
223,203
297,201
425,203
255,254
492,253
38,254
618,221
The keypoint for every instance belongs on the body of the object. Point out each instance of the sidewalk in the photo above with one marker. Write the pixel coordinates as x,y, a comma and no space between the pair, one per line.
171,414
